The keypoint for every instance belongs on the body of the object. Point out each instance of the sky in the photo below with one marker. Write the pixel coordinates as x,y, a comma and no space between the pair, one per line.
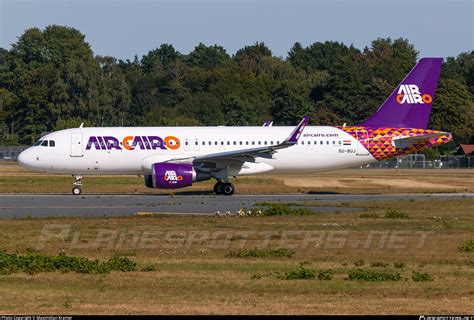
123,28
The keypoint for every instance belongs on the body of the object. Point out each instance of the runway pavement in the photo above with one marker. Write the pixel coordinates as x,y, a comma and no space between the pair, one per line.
91,205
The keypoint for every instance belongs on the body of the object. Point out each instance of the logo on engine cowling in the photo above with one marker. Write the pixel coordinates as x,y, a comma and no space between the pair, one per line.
171,176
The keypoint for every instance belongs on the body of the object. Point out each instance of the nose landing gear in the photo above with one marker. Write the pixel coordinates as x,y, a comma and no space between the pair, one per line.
76,190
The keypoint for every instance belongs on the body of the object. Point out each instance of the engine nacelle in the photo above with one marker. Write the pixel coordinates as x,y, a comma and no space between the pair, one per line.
167,175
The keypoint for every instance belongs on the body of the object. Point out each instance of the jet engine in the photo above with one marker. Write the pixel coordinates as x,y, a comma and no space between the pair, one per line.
167,175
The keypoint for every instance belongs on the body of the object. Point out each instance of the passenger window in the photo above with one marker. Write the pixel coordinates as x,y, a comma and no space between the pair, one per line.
265,143
253,143
321,142
44,143
334,142
228,142
235,143
271,143
327,142
240,142
246,142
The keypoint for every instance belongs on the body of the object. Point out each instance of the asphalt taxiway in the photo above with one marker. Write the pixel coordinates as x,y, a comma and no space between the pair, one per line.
95,205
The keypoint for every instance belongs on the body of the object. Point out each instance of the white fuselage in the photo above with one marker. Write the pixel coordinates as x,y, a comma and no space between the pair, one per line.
319,148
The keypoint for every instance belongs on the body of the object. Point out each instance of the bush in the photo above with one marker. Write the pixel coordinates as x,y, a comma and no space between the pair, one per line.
359,263
396,214
149,268
300,273
399,265
369,275
259,253
379,264
35,263
369,215
121,263
326,275
467,246
421,276
282,210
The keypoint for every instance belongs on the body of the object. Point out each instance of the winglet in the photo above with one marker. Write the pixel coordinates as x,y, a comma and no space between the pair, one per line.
267,123
295,135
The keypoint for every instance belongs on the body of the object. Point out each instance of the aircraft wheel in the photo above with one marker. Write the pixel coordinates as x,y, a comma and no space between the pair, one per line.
76,191
228,189
218,188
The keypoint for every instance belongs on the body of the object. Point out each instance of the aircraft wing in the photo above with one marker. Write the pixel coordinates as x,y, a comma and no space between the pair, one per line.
405,142
249,154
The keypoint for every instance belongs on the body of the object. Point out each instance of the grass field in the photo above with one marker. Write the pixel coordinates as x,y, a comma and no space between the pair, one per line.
14,179
190,270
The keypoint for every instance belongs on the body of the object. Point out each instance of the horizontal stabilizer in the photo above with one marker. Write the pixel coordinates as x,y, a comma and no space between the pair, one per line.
406,142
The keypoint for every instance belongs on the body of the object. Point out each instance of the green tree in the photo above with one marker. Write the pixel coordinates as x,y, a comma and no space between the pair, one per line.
203,107
238,112
290,104
207,57
453,111
389,59
8,105
251,57
165,56
320,55
460,69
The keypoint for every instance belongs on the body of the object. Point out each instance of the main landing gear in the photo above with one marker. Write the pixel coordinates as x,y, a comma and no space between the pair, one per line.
76,190
225,188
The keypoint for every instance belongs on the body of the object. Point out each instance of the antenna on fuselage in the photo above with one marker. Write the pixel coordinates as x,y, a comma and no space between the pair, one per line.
82,124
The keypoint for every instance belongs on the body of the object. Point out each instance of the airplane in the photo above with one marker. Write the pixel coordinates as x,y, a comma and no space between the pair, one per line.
176,157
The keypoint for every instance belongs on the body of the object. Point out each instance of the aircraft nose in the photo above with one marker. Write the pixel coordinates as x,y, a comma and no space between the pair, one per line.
21,158
24,158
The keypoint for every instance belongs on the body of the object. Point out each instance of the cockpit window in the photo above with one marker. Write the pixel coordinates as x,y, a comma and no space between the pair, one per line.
44,143
52,143
37,143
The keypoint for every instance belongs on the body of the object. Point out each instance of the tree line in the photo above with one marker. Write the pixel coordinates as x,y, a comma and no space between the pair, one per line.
50,79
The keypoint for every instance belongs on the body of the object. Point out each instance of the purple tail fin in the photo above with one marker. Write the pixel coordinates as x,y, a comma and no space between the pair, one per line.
409,105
